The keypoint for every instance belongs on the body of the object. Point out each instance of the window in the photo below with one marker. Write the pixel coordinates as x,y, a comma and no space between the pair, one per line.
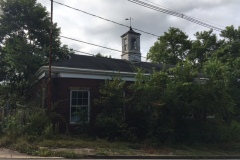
125,44
79,106
134,44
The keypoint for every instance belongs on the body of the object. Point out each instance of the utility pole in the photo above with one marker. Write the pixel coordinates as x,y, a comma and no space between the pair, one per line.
49,95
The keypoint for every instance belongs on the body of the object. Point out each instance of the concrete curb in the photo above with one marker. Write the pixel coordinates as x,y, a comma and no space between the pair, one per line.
165,157
129,157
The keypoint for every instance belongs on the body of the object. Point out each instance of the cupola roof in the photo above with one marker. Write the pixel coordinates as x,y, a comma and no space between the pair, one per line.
131,31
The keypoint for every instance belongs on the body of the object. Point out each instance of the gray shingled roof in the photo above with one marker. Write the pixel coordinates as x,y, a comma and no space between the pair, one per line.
109,64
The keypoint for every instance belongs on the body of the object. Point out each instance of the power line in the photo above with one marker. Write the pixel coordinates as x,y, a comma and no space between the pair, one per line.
85,43
173,13
189,16
104,18
90,43
93,54
96,45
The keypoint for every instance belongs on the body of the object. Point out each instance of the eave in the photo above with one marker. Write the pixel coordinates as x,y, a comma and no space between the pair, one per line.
66,72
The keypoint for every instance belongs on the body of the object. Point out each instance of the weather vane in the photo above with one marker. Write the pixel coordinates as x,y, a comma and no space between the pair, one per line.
130,19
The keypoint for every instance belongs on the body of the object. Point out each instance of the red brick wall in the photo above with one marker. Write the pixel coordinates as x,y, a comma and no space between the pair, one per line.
61,88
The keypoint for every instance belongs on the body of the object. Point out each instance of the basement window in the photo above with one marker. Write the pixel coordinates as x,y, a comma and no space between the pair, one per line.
79,106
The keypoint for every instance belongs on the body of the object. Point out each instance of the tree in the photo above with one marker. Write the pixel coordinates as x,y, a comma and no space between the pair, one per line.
170,48
100,55
230,47
219,86
24,39
203,47
110,122
145,108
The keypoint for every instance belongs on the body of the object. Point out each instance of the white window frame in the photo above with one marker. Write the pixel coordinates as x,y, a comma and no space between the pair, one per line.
88,106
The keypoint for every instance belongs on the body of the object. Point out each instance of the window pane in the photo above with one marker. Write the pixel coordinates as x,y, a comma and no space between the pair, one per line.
85,95
79,101
73,110
75,114
79,114
79,94
84,113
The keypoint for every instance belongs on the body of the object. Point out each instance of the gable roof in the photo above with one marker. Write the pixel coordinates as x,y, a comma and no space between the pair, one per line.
108,64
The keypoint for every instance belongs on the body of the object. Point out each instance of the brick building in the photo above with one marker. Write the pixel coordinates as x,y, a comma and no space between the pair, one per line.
76,81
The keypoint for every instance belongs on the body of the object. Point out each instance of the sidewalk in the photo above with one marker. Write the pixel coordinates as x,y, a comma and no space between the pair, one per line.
7,153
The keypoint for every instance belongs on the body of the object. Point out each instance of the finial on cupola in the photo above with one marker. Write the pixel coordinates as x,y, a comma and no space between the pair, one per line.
129,19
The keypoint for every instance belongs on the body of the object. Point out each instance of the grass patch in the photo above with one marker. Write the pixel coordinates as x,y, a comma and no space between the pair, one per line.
207,149
71,147
100,146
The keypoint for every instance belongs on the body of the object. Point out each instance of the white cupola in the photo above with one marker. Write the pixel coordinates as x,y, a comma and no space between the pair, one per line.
131,46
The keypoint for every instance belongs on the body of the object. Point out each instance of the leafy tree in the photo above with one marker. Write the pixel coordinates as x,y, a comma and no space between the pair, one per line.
100,55
110,121
203,47
230,48
219,84
24,39
145,106
170,48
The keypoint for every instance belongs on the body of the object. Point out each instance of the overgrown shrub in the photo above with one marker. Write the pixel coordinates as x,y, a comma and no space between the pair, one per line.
13,126
110,127
37,122
111,120
26,122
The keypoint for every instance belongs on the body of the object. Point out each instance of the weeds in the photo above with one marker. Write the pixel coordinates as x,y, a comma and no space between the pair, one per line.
68,147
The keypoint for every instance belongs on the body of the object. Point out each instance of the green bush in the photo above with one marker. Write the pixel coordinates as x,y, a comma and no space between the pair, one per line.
109,126
13,126
235,131
37,122
191,131
26,122
110,120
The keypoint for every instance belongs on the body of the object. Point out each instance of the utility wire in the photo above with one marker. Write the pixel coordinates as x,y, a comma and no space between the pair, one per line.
173,13
189,16
87,53
95,45
90,43
105,19
85,43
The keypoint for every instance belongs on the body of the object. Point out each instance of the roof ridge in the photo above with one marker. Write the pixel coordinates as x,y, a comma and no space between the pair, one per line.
116,59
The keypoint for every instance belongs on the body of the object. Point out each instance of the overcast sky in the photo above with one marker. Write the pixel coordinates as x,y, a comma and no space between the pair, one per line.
78,25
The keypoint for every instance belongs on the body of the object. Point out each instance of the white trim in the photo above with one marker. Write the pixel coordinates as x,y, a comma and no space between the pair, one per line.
41,76
90,76
66,72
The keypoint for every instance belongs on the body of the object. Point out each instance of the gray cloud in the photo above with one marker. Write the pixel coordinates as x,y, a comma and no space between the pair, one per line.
81,26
